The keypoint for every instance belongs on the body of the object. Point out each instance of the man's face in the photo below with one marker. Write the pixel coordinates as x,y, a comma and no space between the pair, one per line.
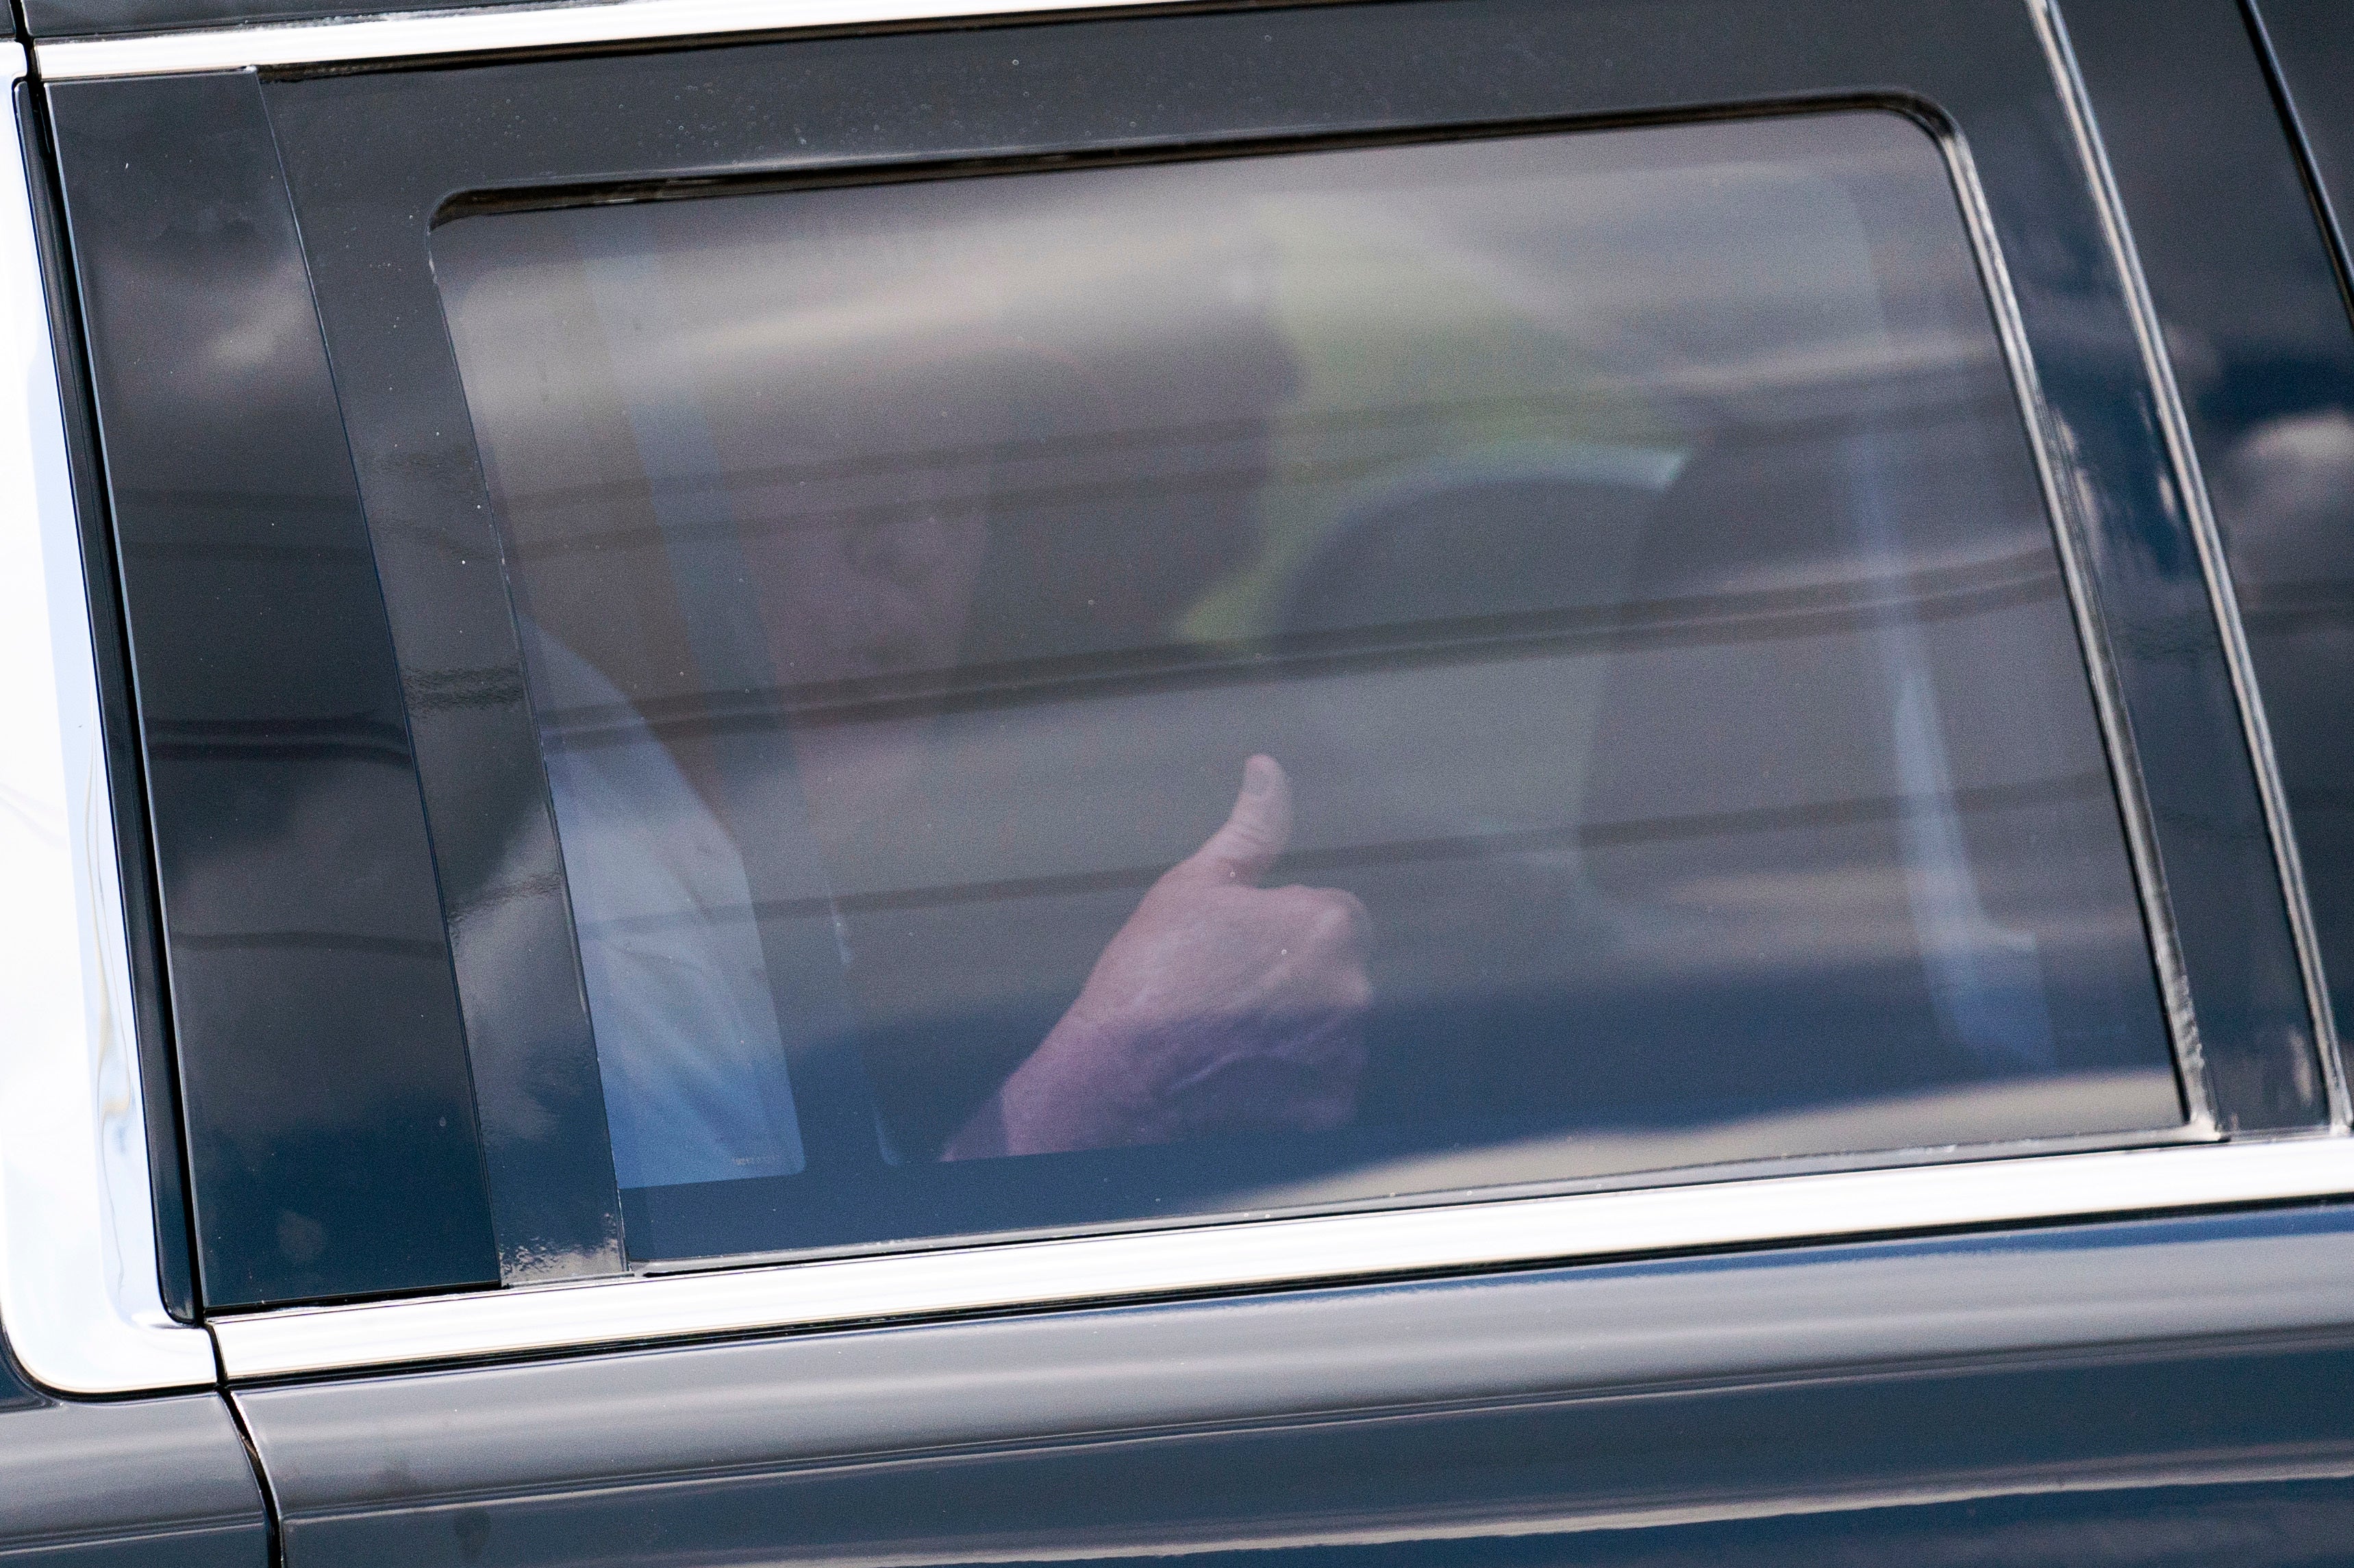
850,601
854,601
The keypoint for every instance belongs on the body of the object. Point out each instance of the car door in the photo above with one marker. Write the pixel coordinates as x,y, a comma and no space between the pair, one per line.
1701,504
142,1480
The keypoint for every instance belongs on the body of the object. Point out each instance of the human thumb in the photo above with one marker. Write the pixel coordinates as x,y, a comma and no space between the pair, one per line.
1256,832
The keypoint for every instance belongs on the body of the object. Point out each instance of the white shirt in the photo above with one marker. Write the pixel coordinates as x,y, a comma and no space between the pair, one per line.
687,1044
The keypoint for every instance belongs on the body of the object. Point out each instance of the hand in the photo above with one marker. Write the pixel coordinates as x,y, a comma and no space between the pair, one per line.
1220,1006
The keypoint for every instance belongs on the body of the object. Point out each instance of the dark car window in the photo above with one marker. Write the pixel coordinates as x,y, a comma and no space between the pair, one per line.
1080,695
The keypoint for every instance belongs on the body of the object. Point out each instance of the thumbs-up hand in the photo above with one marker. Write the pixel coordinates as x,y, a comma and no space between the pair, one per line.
1254,833
1220,1006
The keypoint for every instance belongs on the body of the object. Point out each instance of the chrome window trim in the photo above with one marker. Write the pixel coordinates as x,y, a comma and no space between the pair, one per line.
2190,485
79,1299
1328,1249
421,35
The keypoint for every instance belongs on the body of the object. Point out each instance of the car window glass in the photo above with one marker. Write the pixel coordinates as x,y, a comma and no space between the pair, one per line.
1081,696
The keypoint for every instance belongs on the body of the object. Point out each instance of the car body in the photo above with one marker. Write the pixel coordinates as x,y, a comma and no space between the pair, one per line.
314,1247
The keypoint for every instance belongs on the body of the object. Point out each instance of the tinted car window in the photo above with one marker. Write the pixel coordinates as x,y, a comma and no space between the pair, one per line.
1071,695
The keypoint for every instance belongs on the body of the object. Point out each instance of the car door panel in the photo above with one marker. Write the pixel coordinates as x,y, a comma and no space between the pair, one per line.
2053,1390
125,1482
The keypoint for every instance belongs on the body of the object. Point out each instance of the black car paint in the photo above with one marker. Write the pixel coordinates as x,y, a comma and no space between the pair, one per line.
2156,1391
115,1484
2150,1392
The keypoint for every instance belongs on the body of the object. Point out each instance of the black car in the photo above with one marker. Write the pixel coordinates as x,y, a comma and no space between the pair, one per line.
1386,781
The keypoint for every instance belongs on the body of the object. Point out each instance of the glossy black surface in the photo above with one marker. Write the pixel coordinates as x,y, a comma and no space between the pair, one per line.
131,1482
134,850
320,1061
2155,1392
2263,351
2311,47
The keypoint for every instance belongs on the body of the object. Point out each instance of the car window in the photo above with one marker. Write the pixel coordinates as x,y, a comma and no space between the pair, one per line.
1078,695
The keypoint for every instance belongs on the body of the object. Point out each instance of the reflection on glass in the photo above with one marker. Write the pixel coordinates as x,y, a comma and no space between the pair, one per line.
1082,695
2285,494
